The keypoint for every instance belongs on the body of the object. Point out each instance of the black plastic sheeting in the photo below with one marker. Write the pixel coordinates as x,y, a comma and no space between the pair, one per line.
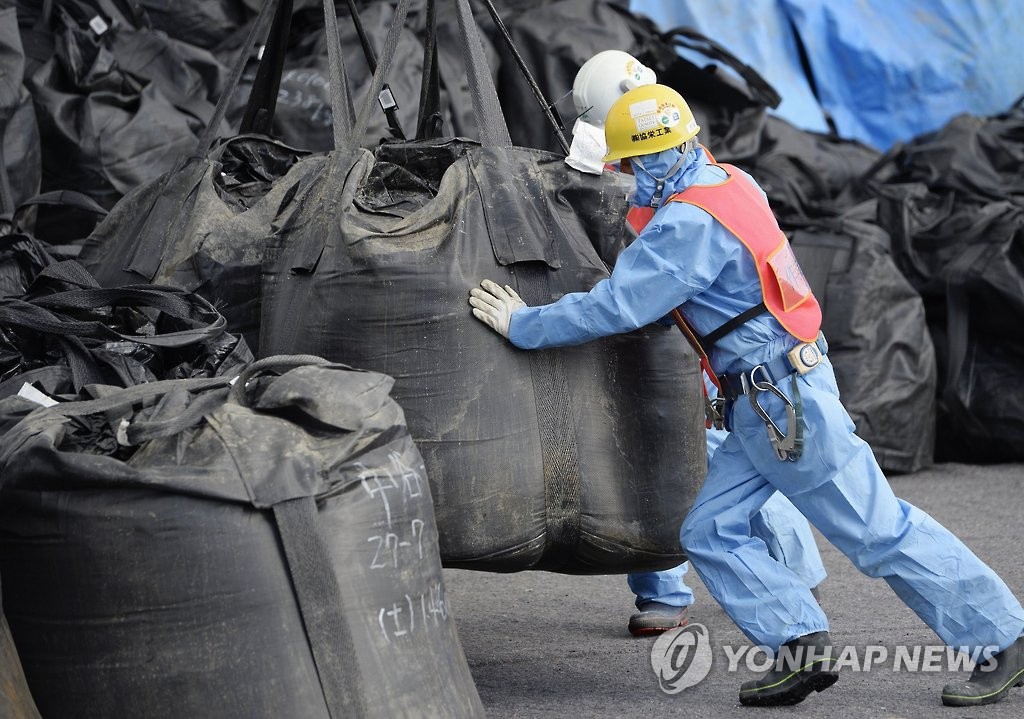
67,333
953,201
184,548
579,460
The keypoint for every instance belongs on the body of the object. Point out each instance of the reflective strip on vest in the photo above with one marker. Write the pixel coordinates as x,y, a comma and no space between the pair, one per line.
742,210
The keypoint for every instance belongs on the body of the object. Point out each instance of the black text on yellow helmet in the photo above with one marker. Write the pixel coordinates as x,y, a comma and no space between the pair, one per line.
646,120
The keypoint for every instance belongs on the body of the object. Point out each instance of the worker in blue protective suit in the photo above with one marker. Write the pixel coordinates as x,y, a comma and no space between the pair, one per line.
663,598
714,251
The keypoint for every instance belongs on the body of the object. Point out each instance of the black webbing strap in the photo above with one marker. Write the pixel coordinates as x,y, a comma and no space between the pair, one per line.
316,587
259,110
524,69
390,110
560,453
429,121
491,121
387,56
709,340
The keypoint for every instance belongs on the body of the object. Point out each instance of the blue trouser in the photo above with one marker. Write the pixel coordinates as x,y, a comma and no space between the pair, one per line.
839,487
782,528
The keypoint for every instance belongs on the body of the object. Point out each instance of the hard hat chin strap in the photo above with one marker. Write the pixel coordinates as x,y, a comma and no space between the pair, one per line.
659,182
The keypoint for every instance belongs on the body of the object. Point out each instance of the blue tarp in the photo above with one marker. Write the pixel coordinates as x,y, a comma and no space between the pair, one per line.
885,71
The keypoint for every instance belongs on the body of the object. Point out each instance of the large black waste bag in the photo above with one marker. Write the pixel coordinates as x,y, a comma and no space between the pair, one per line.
952,202
201,226
115,108
965,257
582,459
179,550
802,173
878,338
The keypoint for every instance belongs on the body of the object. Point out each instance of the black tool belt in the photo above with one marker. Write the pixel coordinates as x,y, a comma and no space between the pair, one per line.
801,360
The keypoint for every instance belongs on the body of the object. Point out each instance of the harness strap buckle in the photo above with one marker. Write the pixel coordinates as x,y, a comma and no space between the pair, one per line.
714,412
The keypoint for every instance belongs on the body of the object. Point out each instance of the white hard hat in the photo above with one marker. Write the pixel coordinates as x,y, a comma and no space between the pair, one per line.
603,79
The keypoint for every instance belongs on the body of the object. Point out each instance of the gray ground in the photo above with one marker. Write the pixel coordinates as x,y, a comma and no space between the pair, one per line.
550,645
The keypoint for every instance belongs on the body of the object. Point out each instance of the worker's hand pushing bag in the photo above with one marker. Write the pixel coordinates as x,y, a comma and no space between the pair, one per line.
494,305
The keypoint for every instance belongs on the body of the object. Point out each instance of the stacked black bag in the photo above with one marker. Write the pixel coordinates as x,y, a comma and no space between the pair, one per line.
200,548
953,201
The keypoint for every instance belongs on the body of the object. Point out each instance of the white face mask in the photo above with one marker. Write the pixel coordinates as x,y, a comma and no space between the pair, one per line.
588,149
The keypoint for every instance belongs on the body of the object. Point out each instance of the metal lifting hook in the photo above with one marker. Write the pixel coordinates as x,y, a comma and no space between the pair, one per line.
786,446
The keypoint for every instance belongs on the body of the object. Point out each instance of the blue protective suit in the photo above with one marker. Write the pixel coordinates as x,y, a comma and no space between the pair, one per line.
778,524
685,259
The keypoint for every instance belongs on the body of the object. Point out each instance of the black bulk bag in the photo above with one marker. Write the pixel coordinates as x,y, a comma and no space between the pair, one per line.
117,105
577,460
202,225
878,336
964,255
952,202
180,549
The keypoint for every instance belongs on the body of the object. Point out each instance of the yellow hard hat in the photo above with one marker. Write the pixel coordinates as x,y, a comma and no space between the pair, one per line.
647,119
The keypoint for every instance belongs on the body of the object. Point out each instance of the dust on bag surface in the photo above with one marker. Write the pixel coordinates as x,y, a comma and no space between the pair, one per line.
582,459
191,548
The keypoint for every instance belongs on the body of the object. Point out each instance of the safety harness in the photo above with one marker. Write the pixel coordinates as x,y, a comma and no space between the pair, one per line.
742,210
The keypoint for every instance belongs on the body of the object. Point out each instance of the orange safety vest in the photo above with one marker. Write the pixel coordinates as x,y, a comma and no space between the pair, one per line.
742,210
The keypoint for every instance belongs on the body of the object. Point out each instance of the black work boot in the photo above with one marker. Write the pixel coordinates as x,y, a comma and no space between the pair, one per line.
802,666
990,681
655,618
